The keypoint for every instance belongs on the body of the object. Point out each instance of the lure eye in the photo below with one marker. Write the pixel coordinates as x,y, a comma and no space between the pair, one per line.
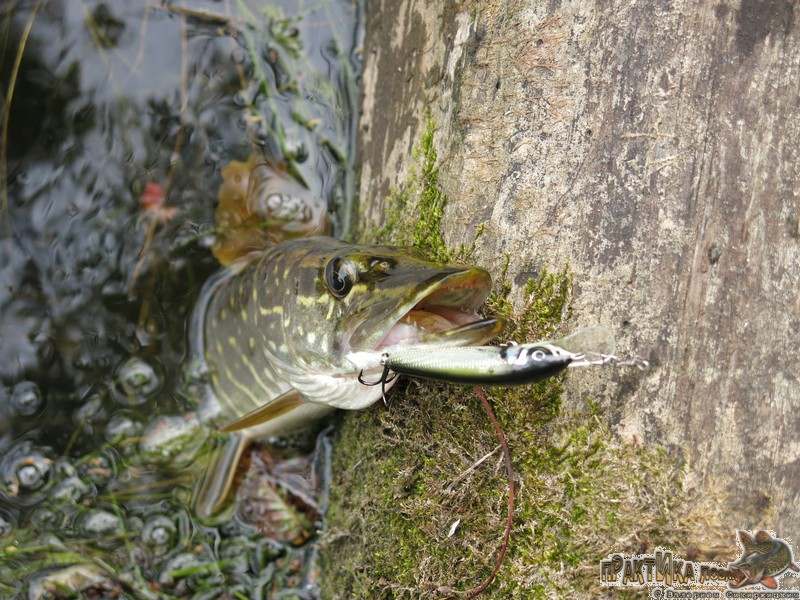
340,275
539,353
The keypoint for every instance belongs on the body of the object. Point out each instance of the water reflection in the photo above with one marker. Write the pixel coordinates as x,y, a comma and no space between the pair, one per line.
123,117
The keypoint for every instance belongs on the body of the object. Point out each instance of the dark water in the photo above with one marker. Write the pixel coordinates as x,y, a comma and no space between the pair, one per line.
110,102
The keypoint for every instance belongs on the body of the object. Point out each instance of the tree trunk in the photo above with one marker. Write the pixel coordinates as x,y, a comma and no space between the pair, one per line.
653,147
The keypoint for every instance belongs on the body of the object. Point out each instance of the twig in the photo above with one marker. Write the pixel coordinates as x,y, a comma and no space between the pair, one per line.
200,15
137,62
472,467
501,437
184,68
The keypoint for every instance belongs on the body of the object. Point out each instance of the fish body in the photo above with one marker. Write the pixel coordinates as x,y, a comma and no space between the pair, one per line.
276,332
763,559
311,325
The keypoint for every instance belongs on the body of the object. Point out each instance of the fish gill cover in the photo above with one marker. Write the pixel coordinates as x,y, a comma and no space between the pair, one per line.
118,119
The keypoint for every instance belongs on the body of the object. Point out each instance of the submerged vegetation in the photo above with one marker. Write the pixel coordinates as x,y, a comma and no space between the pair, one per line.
117,121
419,496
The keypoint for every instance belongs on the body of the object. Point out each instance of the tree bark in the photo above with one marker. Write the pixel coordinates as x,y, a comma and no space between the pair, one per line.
653,147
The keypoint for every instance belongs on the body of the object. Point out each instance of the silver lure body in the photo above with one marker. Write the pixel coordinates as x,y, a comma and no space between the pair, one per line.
487,365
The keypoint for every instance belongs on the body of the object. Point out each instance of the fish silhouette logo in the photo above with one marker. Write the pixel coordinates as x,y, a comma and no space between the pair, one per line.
763,561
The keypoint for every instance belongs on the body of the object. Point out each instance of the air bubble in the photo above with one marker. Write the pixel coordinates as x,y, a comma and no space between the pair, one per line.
159,534
181,561
47,519
101,523
25,469
135,382
121,427
172,439
97,468
32,473
71,489
26,399
31,477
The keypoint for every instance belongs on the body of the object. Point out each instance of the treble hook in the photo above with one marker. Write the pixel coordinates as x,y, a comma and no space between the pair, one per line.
383,381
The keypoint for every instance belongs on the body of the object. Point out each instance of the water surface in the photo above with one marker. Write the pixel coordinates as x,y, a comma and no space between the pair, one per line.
123,115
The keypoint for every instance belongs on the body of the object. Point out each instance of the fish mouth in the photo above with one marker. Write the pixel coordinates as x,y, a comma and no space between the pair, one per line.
741,574
444,312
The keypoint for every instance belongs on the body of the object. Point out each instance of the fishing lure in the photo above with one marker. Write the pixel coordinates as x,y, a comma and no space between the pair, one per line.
509,364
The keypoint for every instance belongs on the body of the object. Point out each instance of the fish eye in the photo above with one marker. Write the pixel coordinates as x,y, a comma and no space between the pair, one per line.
340,275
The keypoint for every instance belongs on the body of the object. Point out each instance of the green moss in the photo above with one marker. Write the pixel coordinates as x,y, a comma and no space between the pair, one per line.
427,234
420,195
404,474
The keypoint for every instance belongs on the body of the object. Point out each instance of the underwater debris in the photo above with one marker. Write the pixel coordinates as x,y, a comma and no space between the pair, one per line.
278,498
26,399
87,580
152,201
259,205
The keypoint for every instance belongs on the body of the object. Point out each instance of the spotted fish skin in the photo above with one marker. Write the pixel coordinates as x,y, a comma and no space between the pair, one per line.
275,326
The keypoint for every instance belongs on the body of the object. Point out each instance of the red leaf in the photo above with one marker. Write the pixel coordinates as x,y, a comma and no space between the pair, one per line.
152,197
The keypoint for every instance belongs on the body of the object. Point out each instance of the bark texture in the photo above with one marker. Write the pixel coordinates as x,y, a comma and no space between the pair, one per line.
653,146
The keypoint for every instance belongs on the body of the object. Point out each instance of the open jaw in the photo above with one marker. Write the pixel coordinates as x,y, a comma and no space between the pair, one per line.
740,577
445,313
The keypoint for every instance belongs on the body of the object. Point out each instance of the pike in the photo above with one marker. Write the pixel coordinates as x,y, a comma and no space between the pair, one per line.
274,334
764,559
294,333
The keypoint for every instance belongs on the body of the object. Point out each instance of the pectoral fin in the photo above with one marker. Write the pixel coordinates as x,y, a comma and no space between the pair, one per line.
217,480
281,405
769,582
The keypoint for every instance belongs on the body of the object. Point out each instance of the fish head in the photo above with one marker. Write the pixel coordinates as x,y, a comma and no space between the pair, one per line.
746,567
344,298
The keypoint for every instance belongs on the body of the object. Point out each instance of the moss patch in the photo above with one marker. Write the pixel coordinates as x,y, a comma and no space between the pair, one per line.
420,196
404,475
